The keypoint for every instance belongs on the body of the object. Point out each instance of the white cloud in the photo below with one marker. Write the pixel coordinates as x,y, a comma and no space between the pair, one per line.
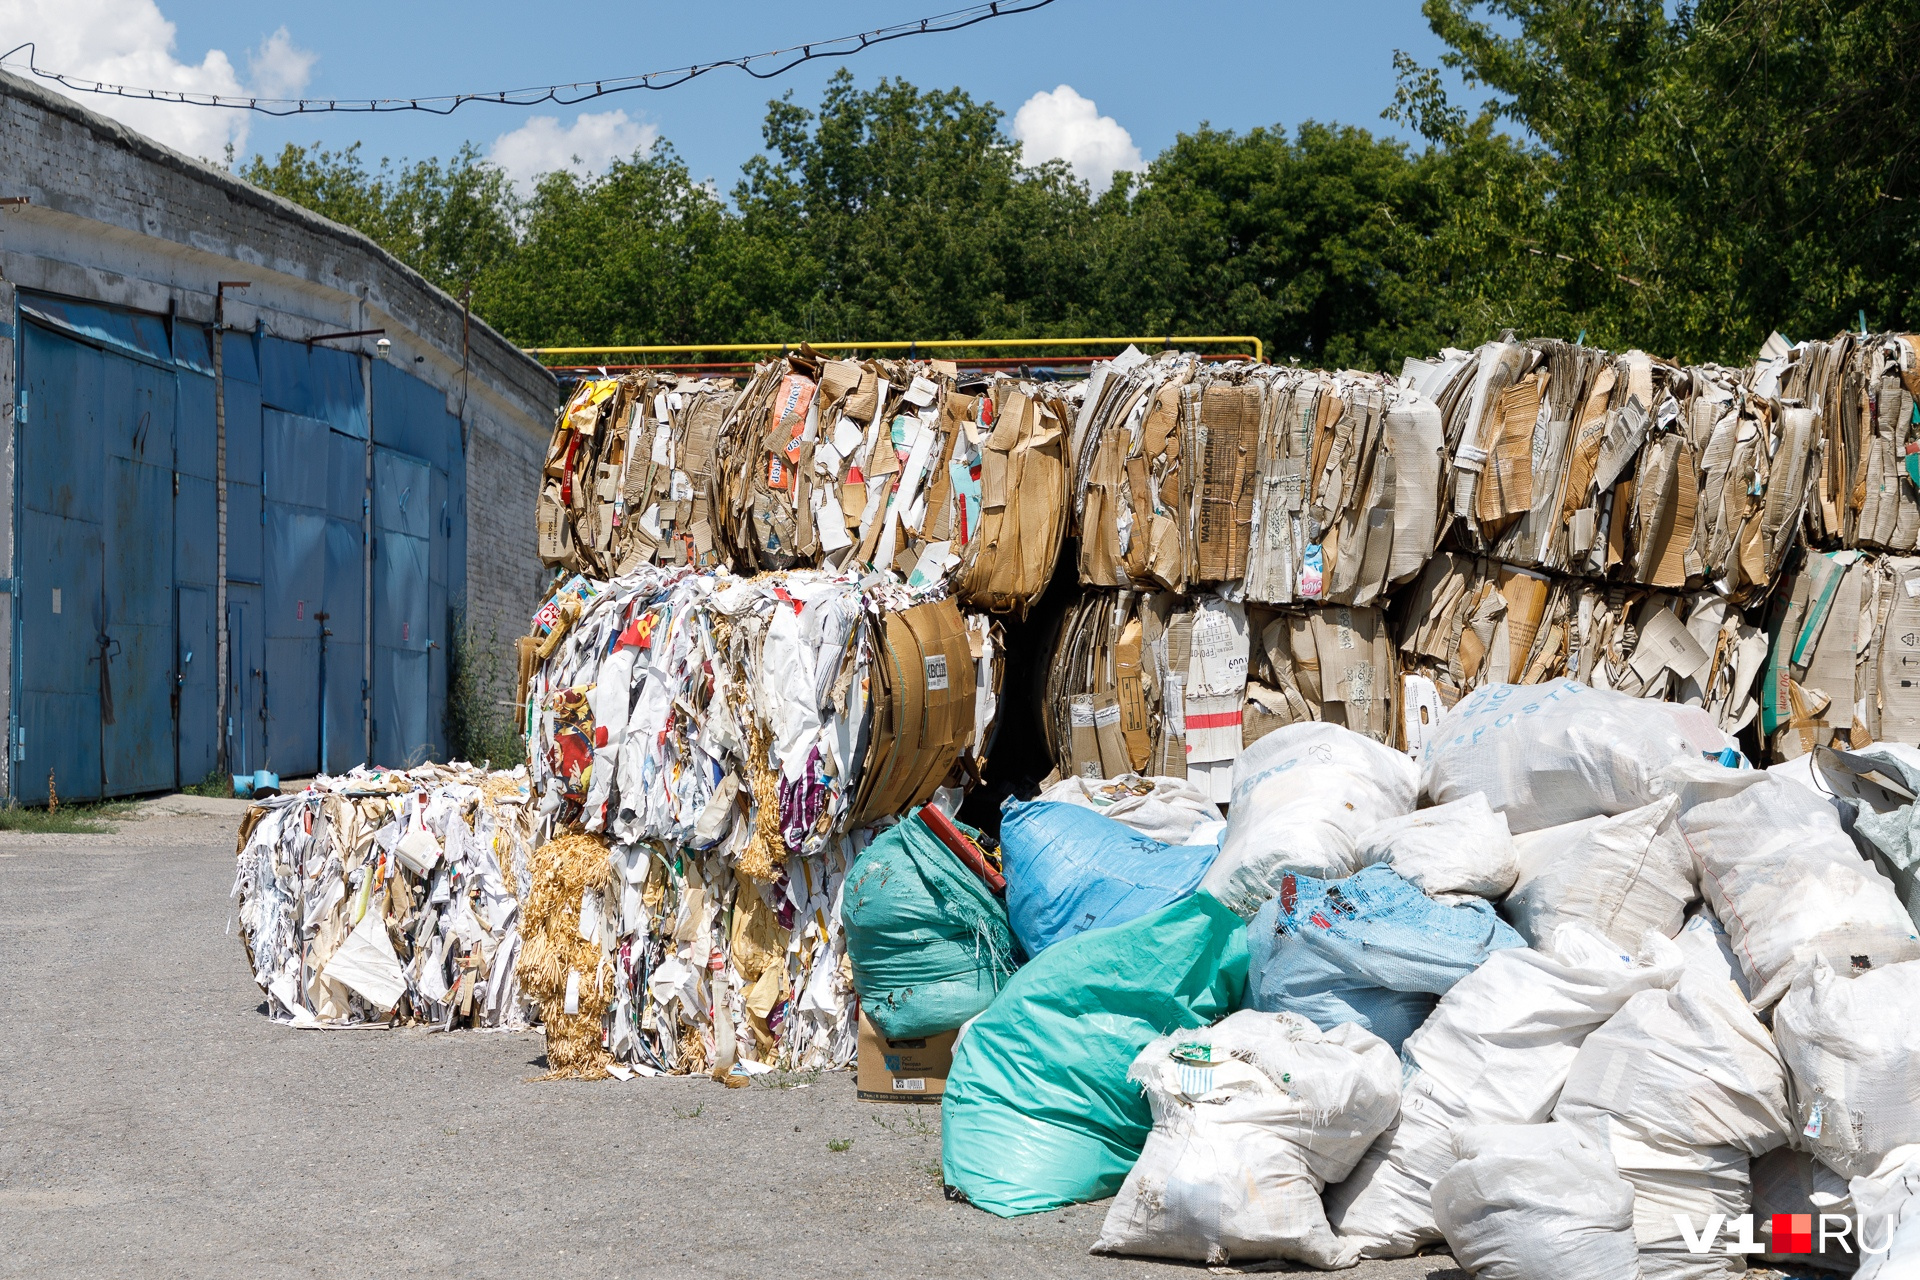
280,68
1062,125
130,42
587,146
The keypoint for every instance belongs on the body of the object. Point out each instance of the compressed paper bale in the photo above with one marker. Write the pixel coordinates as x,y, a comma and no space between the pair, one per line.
1495,1051
1448,850
930,946
565,869
1370,949
1623,875
1070,869
1039,1112
1551,753
1243,1144
1853,1045
1789,886
1528,1202
1301,797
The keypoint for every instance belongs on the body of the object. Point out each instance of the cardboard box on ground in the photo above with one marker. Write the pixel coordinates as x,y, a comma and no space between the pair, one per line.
908,1070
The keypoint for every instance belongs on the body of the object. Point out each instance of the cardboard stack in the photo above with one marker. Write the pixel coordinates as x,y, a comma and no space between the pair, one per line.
628,476
815,463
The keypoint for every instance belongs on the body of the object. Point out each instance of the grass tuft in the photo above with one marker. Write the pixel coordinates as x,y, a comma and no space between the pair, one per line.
68,819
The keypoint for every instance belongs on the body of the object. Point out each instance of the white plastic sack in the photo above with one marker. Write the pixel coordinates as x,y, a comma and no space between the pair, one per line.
1529,1202
1853,1046
1495,1051
1301,797
1788,885
1690,1064
1547,754
1167,809
1671,1180
1448,850
1888,1204
1622,875
1682,1087
1241,1149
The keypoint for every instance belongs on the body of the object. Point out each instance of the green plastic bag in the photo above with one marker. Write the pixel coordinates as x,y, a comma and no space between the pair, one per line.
929,942
1039,1112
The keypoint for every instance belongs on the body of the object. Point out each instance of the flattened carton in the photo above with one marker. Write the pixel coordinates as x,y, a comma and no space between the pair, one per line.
903,1070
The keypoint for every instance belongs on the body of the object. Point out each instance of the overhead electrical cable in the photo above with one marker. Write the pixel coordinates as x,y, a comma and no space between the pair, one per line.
762,66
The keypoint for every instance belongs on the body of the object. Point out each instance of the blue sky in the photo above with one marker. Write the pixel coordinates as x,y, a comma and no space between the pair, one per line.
1139,73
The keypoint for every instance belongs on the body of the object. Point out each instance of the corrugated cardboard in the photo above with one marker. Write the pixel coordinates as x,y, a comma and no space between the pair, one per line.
923,708
902,1070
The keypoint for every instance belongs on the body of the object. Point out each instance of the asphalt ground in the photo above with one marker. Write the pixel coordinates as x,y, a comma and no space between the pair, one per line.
153,1122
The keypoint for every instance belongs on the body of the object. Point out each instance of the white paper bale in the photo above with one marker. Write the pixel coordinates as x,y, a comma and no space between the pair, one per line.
1301,797
1623,875
1495,1051
1789,886
1548,754
1682,1087
1853,1046
1529,1202
1241,1150
1165,809
1448,850
1888,1204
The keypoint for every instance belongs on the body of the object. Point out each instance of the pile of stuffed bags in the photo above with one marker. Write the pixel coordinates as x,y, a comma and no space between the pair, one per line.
1571,996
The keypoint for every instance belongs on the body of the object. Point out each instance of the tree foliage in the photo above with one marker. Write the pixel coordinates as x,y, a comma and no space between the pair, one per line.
1680,181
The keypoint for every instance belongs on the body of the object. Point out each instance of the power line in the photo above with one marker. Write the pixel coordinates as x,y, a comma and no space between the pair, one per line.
761,66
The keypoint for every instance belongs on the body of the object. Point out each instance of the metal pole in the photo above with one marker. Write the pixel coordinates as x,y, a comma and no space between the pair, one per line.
366,578
321,618
222,657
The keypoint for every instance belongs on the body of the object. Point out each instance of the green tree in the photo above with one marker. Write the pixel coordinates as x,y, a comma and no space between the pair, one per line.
894,212
1313,243
1705,177
452,223
639,255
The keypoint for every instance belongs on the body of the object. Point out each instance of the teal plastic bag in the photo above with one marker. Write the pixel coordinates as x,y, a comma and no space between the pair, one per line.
1039,1112
929,942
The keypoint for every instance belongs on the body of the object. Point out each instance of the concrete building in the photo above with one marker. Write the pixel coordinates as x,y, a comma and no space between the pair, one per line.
235,517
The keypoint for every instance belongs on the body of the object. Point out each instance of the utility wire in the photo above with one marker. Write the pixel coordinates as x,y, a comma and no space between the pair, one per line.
761,66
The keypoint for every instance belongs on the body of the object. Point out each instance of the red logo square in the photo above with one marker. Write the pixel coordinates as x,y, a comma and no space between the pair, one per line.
1793,1233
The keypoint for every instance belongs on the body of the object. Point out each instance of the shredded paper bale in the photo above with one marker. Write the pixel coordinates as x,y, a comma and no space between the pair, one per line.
732,744
381,895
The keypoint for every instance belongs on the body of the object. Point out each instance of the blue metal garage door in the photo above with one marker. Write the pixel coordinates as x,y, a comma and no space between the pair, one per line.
97,628
116,637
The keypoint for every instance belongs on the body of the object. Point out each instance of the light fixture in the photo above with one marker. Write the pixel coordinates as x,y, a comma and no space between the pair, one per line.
384,347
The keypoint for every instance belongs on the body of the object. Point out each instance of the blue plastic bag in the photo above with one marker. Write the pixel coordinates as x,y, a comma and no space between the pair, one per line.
1039,1112
1371,949
1070,869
